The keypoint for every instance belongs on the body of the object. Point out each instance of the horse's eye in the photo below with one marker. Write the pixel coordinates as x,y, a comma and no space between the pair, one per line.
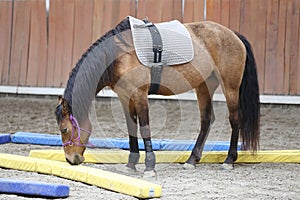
63,131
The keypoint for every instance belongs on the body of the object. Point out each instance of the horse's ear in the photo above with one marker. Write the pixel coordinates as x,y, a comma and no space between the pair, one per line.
59,98
65,105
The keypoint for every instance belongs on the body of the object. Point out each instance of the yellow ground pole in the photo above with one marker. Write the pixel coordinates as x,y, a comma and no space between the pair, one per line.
104,179
121,156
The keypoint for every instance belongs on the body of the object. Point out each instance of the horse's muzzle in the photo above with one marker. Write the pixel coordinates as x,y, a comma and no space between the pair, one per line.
75,160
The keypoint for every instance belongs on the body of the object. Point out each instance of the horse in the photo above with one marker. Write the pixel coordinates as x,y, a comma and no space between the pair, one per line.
221,57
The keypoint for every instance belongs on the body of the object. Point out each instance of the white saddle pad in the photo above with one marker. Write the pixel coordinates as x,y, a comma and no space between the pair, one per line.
177,43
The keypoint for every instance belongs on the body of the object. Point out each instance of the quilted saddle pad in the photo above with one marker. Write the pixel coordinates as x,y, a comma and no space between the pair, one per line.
177,42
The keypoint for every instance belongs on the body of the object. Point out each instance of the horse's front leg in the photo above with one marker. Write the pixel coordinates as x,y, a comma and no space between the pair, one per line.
141,107
131,120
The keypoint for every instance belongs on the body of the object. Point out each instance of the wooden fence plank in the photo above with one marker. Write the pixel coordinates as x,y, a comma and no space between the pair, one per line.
5,39
97,19
193,11
127,7
32,68
210,10
282,8
152,9
168,9
51,43
37,57
42,65
177,10
297,13
271,47
199,10
287,48
258,32
245,18
68,31
82,28
225,13
213,10
133,7
59,43
234,15
20,42
188,11
141,9
294,48
115,14
107,20
159,11
253,8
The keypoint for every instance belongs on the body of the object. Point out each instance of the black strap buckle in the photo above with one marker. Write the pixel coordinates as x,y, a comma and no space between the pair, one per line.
157,54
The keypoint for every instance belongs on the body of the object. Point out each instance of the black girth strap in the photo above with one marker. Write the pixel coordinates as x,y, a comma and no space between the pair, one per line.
156,69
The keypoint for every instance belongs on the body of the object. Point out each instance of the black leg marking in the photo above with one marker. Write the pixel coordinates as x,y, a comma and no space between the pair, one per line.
150,159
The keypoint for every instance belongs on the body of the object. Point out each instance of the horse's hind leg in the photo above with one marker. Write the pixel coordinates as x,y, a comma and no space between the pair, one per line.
232,98
204,97
131,120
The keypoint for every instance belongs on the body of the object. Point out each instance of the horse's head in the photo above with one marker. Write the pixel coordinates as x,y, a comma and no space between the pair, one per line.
74,143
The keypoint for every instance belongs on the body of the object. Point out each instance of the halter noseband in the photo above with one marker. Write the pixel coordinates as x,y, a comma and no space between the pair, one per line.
77,142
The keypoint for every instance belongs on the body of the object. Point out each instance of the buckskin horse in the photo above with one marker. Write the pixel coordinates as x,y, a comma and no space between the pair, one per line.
221,57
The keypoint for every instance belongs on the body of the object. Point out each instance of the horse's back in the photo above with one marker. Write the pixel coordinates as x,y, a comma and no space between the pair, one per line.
207,29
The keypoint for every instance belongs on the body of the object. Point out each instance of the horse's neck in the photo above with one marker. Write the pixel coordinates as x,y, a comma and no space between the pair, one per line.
94,71
105,79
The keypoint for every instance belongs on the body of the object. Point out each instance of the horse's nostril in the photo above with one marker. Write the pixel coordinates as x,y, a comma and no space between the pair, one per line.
76,161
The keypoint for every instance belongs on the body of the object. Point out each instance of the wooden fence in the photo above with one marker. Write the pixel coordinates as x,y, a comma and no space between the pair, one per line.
39,48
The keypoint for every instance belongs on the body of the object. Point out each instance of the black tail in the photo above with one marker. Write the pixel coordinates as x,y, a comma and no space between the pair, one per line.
249,104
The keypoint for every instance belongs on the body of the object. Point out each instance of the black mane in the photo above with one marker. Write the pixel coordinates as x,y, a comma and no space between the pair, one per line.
122,26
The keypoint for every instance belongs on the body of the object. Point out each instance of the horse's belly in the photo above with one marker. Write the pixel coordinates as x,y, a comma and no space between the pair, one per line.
181,78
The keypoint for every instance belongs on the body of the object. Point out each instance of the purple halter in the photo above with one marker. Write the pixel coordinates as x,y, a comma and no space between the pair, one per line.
75,125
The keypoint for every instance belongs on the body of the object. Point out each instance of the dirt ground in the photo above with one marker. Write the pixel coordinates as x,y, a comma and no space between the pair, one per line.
280,128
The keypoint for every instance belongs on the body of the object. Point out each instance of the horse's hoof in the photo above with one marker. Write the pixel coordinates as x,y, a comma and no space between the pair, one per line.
131,171
131,167
150,174
227,166
188,166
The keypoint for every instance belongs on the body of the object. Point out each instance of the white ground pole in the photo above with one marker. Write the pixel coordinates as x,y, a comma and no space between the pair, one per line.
218,97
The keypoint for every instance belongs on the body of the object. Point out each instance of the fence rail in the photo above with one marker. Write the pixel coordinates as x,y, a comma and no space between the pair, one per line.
38,47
